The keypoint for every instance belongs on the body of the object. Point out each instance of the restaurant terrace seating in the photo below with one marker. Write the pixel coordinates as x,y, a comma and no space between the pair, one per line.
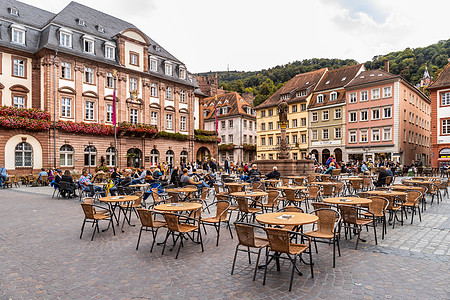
148,224
351,221
222,206
93,216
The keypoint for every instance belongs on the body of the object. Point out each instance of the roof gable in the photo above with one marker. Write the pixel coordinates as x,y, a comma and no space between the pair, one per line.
339,77
443,78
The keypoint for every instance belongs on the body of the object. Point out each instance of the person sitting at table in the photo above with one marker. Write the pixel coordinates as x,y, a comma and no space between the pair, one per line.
115,176
67,177
86,185
58,177
157,174
274,174
330,168
141,178
382,176
127,180
175,177
185,180
42,173
254,173
364,167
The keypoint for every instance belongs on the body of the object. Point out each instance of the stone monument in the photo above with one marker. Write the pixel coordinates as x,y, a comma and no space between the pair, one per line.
286,166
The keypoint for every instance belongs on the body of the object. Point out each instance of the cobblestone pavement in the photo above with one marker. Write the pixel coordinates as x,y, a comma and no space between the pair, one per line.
42,257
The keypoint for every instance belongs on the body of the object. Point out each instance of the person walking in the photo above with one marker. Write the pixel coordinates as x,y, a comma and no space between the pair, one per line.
3,175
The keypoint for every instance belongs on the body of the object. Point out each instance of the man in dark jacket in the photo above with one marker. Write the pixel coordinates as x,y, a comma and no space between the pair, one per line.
274,174
382,176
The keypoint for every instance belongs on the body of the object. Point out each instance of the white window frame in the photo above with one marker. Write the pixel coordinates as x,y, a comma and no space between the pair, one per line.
66,70
65,38
89,110
109,80
445,99
89,75
169,121
350,114
66,156
19,67
134,116
325,134
314,135
315,117
303,122
363,113
88,44
18,34
21,153
387,92
154,118
182,73
168,68
154,90
373,111
183,120
183,96
363,96
389,131
153,64
19,101
361,133
445,126
134,59
390,112
320,98
66,107
337,133
333,96
352,137
110,51
375,94
352,98
325,115
337,114
133,84
109,113
169,93
375,131
303,138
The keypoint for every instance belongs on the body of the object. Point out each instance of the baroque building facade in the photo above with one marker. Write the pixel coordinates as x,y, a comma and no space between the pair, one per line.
69,64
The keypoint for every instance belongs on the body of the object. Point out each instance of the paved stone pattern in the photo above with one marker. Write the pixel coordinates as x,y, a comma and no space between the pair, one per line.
42,257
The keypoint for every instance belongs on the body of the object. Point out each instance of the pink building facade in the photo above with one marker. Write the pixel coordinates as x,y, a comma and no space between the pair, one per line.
386,118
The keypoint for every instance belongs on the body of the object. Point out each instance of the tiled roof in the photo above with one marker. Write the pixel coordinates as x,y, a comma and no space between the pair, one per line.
371,76
28,14
443,78
338,78
301,82
326,98
232,100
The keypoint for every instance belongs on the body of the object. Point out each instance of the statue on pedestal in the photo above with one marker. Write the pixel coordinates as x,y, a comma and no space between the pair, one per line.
283,121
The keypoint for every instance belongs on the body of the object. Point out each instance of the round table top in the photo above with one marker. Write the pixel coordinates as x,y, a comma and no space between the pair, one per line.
418,181
404,187
249,194
182,190
348,200
292,187
271,180
426,178
296,219
115,199
295,177
237,183
386,193
181,206
325,175
140,185
324,183
353,178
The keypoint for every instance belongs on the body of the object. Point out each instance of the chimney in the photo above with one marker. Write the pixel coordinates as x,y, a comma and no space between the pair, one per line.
386,65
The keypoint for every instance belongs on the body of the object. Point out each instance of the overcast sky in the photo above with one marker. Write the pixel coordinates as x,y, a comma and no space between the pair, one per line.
249,35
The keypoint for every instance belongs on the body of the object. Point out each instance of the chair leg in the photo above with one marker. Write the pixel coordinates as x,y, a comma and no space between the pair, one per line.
266,266
139,238
96,227
181,244
229,229
257,262
165,241
154,233
82,228
334,252
420,216
234,259
357,240
292,272
375,231
248,252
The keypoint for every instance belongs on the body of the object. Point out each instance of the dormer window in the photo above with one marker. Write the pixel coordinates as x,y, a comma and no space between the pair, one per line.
88,44
18,34
320,98
134,59
333,96
182,73
153,64
13,11
81,22
301,93
65,38
284,96
110,50
100,28
168,68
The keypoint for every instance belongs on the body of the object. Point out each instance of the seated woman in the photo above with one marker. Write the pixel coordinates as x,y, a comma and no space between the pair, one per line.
185,180
87,186
67,177
330,168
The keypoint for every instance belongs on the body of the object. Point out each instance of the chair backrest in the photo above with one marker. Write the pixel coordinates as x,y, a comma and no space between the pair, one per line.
89,200
256,185
278,239
349,214
412,197
339,187
299,181
327,220
335,172
388,180
290,195
363,195
378,205
44,178
311,178
88,210
319,205
204,194
63,185
242,204
140,195
313,191
246,234
285,181
146,217
155,195
234,188
292,209
172,221
173,197
356,184
272,197
367,181
221,210
216,188
328,190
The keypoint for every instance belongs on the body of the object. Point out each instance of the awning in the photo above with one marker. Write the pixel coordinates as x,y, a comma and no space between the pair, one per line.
443,159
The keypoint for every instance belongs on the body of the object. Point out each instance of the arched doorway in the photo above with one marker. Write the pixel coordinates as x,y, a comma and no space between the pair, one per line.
203,153
325,155
338,154
154,157
134,158
169,157
183,157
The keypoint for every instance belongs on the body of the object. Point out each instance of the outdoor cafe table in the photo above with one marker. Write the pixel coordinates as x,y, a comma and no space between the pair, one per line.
237,183
405,188
347,200
292,187
271,182
177,207
187,190
388,194
249,194
276,218
324,183
140,185
114,201
418,182
425,178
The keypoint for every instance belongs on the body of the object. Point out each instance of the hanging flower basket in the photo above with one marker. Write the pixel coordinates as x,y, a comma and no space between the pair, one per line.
227,147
